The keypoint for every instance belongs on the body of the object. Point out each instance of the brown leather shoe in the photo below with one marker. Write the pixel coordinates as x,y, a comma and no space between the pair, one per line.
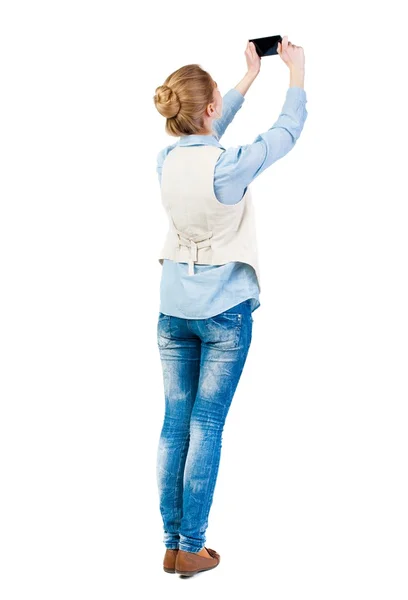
169,561
190,563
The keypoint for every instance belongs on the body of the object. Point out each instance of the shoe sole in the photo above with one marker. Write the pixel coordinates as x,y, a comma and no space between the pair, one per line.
169,570
191,573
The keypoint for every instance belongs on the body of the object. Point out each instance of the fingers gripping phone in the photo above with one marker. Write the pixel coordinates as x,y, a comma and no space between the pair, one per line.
267,46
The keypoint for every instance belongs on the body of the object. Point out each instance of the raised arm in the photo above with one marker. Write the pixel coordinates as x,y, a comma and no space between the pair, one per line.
273,144
243,164
231,103
240,165
233,100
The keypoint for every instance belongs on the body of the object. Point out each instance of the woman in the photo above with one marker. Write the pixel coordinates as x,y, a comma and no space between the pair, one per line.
210,284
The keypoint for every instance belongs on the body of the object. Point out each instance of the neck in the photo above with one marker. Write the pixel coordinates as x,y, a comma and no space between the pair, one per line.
207,127
206,132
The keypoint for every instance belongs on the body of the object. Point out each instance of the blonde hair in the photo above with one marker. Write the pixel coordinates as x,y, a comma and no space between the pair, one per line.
183,99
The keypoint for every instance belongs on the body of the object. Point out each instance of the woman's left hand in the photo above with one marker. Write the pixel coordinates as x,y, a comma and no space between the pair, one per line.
252,58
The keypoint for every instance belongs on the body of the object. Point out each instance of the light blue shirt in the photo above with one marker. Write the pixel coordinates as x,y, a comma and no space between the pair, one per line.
215,288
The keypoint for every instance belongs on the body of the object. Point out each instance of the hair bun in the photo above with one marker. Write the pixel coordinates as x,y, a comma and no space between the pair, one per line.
167,101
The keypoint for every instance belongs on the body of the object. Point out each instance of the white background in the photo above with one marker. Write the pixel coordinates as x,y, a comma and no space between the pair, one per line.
311,498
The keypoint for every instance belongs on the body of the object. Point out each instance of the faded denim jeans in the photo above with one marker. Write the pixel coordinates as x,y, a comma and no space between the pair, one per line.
202,361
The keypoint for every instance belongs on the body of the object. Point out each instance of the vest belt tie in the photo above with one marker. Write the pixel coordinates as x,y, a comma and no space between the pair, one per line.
201,241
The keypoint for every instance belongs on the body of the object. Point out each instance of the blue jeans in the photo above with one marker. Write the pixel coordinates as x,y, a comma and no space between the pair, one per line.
202,361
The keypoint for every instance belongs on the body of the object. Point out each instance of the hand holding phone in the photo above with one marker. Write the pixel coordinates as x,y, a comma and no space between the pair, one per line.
293,56
252,58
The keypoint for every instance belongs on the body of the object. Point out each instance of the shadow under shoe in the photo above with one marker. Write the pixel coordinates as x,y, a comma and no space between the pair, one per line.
190,563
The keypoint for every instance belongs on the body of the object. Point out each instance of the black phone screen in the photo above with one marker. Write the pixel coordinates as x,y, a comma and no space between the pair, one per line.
267,46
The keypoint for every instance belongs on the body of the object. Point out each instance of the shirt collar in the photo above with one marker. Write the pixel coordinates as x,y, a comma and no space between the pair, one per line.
199,140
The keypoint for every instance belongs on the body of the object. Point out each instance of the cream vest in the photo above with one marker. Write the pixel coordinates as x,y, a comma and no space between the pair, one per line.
202,229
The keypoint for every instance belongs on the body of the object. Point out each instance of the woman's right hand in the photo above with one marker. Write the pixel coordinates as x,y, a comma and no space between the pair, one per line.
291,55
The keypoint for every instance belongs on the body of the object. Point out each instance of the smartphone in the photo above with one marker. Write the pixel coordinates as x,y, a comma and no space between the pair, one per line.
267,46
